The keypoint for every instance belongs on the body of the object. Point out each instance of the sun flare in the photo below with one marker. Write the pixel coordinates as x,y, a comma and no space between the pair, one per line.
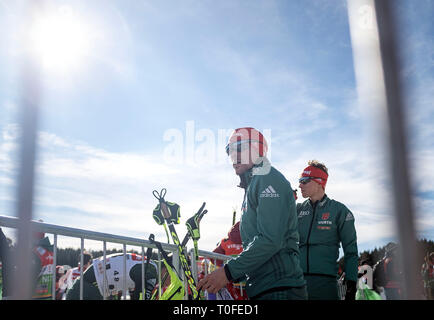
60,40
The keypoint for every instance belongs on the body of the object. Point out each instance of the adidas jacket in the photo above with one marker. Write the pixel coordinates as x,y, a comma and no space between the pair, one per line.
268,228
322,228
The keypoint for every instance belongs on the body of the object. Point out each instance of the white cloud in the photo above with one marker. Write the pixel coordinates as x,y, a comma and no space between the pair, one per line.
83,187
46,140
10,132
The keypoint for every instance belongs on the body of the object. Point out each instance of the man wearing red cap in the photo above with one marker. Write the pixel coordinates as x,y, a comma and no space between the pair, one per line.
323,225
270,258
232,246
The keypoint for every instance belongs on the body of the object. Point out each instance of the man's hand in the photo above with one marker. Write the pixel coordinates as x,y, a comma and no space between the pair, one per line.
214,281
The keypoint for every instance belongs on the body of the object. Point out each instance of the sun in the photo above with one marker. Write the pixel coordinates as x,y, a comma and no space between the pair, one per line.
60,40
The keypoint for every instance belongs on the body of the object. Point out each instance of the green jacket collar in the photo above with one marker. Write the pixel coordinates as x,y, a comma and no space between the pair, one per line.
246,177
320,202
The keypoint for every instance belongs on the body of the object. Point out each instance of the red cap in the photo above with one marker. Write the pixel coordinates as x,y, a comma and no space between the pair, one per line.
251,135
316,174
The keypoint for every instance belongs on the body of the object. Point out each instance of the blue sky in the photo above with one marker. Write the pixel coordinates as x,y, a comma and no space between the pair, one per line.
158,79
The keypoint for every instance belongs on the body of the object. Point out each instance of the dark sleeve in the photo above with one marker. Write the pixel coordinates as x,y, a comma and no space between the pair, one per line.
7,267
4,246
348,237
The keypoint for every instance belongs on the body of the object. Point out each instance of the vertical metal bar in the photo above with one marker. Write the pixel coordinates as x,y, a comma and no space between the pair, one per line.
159,275
241,288
53,285
143,274
215,268
176,265
175,261
29,109
124,293
184,277
105,282
206,266
193,265
81,267
387,27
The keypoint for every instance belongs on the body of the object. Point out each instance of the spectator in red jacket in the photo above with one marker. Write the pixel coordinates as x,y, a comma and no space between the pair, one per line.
232,246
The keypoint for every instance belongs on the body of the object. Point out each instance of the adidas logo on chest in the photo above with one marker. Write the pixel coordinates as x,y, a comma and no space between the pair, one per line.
269,192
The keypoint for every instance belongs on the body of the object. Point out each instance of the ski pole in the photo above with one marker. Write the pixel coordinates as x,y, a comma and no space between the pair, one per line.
184,264
234,216
174,276
194,231
193,223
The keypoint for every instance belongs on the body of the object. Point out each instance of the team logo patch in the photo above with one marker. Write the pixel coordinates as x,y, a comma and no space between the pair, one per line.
324,220
303,214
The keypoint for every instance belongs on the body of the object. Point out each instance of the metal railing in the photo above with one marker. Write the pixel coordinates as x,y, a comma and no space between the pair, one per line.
12,222
55,230
342,287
